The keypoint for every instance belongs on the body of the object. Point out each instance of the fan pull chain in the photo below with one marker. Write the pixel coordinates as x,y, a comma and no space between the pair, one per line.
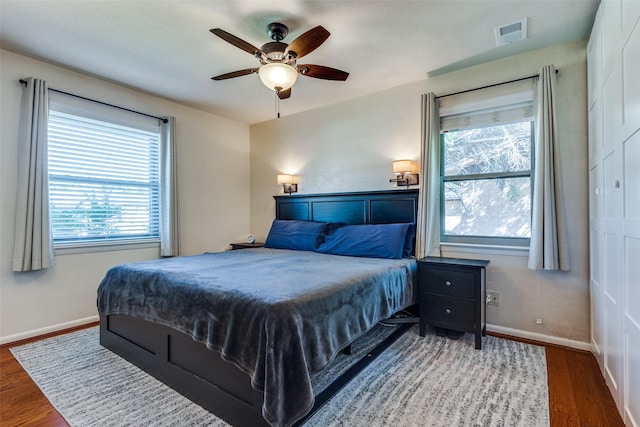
277,105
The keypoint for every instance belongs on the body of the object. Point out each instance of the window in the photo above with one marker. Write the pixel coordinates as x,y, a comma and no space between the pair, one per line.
486,172
104,180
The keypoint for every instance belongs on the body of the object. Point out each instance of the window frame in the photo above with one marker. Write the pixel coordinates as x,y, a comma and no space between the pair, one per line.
110,115
479,239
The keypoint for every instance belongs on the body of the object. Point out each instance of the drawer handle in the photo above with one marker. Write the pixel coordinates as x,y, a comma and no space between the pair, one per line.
447,283
448,311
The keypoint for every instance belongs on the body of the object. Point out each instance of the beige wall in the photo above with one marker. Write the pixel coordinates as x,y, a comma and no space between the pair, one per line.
349,147
213,166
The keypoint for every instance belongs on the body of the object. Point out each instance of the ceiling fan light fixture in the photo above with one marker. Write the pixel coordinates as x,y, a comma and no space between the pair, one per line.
279,70
278,75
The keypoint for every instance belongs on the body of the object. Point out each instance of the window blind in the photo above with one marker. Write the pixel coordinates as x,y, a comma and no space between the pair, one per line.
104,181
491,117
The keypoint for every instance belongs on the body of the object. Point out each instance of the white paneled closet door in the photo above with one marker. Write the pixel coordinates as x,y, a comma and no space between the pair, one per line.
594,74
611,155
613,61
631,241
596,265
630,54
612,274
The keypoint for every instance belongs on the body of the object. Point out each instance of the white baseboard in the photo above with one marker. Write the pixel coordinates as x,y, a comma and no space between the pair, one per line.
629,418
48,329
490,328
579,345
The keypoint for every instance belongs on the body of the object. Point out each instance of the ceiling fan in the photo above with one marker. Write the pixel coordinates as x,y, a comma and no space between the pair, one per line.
278,69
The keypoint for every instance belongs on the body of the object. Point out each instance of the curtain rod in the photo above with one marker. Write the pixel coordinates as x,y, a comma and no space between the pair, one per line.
493,85
24,82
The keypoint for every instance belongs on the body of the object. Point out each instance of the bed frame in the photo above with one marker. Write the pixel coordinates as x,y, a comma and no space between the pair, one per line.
201,374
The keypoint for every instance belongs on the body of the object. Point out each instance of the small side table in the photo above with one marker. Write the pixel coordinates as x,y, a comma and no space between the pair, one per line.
452,295
245,245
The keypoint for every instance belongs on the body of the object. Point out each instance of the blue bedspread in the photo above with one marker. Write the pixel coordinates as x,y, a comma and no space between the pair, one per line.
276,314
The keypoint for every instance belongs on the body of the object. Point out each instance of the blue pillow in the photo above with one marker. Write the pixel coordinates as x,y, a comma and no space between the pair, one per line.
296,235
370,240
408,243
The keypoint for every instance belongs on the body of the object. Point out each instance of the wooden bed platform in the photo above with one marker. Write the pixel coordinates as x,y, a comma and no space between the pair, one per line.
200,374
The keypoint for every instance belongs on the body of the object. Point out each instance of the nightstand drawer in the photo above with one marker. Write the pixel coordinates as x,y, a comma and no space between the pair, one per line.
459,284
444,311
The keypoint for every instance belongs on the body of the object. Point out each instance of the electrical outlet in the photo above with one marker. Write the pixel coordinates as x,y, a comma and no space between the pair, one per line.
493,297
539,321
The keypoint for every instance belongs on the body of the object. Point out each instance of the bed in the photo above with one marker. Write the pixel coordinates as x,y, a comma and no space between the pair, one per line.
240,332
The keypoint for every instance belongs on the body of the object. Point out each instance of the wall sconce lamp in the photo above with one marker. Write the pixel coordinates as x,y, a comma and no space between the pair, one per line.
404,170
287,182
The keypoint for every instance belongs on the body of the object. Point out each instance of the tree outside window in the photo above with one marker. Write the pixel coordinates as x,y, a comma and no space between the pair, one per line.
486,184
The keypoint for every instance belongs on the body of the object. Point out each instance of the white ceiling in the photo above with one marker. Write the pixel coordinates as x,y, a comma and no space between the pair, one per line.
165,47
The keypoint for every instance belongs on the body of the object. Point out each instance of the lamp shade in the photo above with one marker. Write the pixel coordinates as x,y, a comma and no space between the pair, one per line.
278,75
285,179
402,166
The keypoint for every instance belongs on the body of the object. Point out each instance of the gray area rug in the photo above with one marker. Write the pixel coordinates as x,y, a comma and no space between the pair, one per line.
431,381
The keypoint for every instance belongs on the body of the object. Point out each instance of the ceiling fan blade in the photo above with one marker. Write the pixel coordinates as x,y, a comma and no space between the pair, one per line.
284,94
237,42
238,73
322,72
308,42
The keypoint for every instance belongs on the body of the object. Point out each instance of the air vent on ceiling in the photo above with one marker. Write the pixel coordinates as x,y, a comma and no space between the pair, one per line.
510,33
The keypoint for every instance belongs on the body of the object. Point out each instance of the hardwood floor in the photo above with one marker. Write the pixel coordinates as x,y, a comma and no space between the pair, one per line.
578,395
21,402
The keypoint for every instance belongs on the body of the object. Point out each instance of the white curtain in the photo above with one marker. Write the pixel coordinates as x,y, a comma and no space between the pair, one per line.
428,227
33,244
169,228
549,248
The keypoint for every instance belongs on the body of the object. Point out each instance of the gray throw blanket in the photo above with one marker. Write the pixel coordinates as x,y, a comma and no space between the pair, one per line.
278,315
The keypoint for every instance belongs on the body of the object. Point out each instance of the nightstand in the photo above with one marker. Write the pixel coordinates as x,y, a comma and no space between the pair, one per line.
452,295
245,245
